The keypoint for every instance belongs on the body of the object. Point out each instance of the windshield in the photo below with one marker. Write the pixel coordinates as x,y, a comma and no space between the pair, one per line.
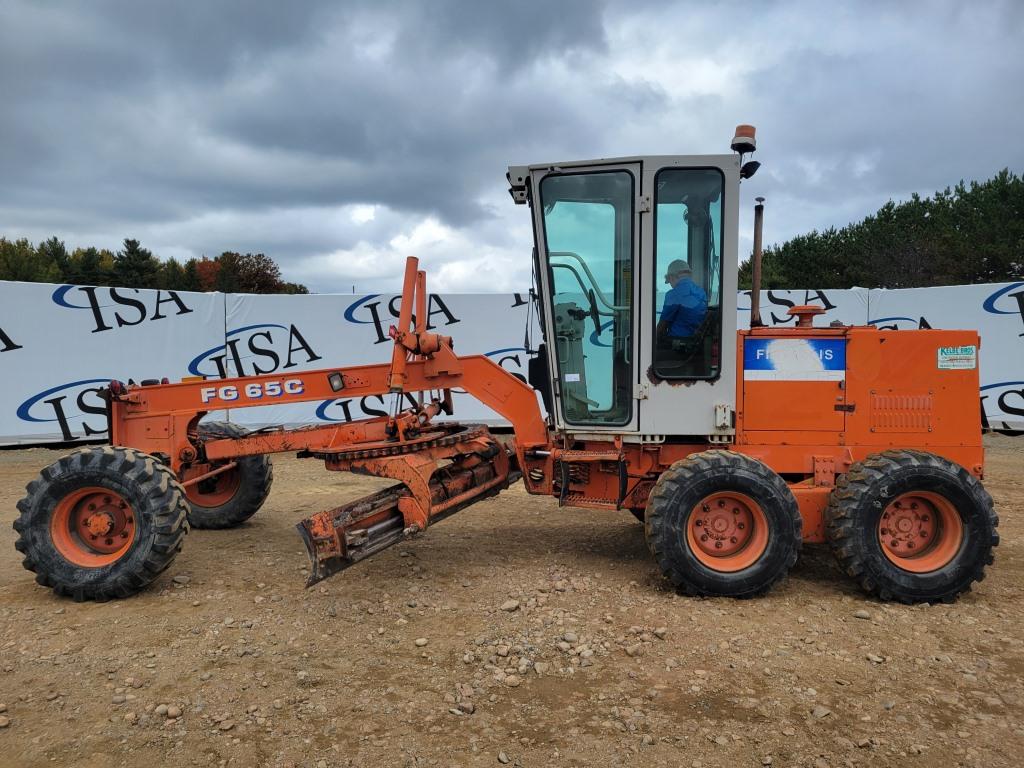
588,229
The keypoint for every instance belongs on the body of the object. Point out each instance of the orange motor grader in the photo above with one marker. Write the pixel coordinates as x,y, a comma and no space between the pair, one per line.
733,447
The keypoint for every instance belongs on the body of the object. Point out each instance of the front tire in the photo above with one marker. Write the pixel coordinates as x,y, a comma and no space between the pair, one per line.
720,523
911,526
230,498
101,523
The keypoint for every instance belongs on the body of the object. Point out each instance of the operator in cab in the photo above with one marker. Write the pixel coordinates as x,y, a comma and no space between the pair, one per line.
686,303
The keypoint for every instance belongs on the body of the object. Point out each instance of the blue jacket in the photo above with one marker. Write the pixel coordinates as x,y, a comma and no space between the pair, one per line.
685,307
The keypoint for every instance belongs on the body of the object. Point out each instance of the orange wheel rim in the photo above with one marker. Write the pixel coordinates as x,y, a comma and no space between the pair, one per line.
92,527
920,531
215,491
727,531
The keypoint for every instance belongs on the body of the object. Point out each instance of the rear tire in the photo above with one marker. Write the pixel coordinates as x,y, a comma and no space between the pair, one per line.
911,526
231,498
720,523
101,523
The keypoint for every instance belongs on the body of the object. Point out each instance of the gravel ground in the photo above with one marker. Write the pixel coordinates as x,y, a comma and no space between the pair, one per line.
513,633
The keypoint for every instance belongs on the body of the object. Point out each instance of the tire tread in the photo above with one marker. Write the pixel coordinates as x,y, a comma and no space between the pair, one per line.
844,519
713,462
256,481
163,499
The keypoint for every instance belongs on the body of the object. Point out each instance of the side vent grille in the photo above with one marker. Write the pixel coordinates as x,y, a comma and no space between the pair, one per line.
901,412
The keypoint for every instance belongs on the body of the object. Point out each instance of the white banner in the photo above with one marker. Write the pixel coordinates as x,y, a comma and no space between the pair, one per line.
59,344
849,306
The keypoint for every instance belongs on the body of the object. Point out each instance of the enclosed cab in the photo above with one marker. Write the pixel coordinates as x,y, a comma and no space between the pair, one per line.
608,234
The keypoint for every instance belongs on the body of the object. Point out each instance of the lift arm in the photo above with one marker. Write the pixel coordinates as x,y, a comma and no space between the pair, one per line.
162,419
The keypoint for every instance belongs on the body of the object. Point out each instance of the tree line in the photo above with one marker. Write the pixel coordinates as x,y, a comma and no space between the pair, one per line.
968,234
136,267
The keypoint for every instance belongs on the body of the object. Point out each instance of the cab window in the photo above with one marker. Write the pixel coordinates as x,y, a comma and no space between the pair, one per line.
688,273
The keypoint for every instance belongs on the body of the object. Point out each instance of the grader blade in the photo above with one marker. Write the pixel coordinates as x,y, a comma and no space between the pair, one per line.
436,482
332,548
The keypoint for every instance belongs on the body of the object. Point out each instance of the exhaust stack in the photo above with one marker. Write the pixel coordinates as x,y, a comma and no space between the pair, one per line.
755,277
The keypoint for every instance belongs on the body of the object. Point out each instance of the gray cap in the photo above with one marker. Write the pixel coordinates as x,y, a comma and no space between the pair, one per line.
678,267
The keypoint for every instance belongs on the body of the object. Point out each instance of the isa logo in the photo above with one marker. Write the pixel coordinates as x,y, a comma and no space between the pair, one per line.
76,408
255,350
7,344
380,313
117,307
794,359
1008,300
1002,407
898,323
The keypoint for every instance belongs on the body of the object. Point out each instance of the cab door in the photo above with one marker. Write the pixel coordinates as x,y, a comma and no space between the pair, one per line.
588,236
688,290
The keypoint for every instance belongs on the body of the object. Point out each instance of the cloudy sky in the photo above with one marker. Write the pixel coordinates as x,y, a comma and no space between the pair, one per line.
339,137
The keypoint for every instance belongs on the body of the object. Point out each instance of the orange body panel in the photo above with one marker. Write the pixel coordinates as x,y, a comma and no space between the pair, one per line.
793,406
892,394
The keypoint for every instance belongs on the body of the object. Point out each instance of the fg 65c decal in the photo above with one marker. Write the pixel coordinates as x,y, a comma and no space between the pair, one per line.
256,390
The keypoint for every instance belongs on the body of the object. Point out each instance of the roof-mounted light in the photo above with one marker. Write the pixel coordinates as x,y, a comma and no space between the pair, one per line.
744,141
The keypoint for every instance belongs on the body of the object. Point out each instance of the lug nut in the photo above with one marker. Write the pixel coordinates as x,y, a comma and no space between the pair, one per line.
741,526
735,510
704,537
718,545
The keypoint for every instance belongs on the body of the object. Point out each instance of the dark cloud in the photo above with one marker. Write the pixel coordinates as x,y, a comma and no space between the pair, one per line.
266,125
233,105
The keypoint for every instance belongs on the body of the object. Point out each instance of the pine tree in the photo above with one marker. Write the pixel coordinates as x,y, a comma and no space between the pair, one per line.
20,260
136,267
229,273
190,279
85,268
171,276
54,256
968,234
